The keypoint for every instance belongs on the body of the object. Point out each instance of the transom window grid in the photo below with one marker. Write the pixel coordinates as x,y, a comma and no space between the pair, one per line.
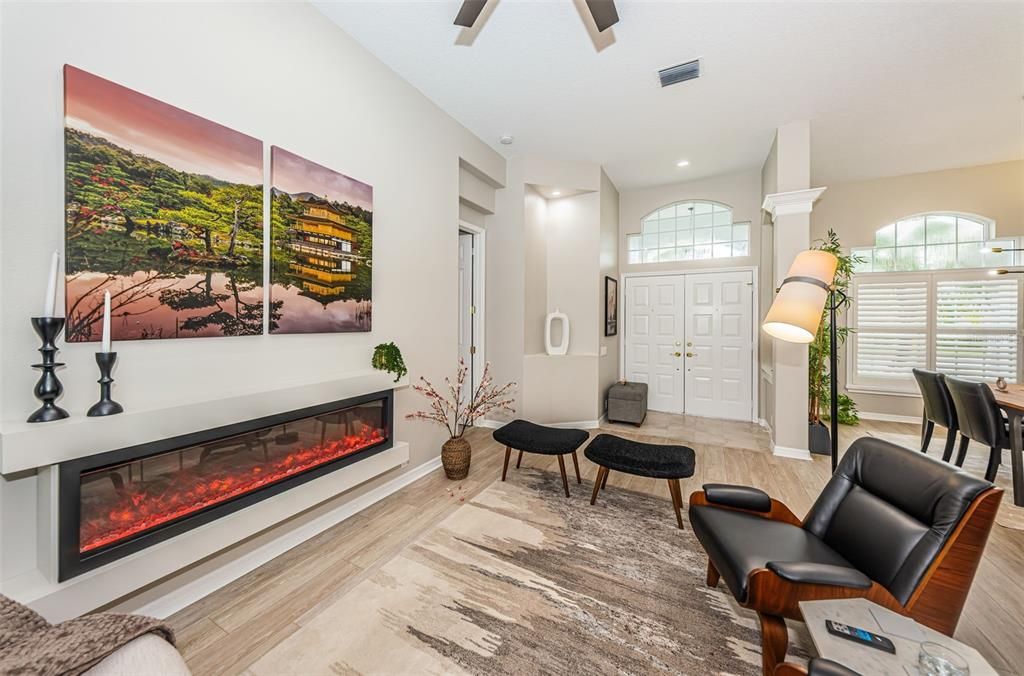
688,230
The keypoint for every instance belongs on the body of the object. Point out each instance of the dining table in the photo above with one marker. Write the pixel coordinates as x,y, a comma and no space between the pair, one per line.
1011,400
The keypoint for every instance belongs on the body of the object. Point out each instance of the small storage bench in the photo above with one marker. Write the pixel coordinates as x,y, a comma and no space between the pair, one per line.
627,402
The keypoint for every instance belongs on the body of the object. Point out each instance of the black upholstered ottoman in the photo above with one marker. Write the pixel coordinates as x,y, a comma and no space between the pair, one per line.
526,436
633,457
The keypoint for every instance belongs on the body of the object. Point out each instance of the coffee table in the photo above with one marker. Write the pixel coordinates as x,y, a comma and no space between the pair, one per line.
864,614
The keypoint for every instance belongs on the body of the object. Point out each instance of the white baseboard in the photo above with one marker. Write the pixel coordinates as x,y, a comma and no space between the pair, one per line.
185,595
792,453
579,424
889,417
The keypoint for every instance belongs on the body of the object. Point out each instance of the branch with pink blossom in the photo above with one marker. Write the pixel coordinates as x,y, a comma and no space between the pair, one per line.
455,414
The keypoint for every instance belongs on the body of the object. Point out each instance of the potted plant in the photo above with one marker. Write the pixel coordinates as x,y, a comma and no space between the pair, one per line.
387,357
818,375
455,414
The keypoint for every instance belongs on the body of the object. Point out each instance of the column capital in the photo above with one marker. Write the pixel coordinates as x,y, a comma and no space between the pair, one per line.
792,202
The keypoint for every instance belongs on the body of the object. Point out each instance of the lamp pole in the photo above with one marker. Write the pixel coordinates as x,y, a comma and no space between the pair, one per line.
835,300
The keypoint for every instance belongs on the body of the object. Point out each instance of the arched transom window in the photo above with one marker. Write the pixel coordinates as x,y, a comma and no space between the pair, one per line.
934,241
686,231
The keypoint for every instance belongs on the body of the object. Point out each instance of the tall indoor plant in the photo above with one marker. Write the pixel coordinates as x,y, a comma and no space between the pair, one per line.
818,375
455,414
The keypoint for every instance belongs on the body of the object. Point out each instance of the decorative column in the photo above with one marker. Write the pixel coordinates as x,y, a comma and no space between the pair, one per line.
791,218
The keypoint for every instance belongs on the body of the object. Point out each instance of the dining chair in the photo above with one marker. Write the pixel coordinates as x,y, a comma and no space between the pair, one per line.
938,409
980,420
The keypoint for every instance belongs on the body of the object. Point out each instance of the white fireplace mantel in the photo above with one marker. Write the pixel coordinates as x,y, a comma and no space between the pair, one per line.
27,446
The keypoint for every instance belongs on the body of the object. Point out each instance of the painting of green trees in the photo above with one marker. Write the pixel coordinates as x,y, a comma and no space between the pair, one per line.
164,209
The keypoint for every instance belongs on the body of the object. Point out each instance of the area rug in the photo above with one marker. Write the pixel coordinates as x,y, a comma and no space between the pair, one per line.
976,462
522,580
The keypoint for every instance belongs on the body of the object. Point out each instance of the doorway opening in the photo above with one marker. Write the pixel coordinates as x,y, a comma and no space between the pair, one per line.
472,241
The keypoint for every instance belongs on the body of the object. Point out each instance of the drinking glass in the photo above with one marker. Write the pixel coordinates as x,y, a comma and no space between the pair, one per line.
938,660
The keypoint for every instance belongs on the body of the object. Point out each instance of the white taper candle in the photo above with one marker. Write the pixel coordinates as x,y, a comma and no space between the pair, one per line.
51,286
106,322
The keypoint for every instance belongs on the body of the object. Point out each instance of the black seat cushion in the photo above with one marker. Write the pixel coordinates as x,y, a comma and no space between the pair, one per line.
633,457
738,543
526,436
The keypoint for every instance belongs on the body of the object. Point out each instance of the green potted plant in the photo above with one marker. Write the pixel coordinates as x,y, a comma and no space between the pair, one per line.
455,414
387,357
818,375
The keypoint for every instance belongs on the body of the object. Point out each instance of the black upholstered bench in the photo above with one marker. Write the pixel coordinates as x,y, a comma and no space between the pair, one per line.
526,436
659,461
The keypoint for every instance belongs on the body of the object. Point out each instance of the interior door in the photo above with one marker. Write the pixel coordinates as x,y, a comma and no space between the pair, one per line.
719,345
653,340
466,309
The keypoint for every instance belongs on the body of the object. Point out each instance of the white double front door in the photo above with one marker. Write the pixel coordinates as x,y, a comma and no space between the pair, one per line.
690,338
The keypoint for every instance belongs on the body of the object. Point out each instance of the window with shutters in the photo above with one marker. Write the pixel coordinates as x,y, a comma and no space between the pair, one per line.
959,322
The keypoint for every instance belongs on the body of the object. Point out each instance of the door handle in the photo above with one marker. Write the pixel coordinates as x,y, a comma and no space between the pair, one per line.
680,354
689,354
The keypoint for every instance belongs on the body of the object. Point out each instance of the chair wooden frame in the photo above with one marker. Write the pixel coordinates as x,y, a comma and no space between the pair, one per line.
937,602
561,466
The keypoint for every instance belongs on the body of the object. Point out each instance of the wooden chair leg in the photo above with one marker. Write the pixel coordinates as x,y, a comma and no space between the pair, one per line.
774,642
927,427
961,453
602,473
565,480
995,456
713,575
576,464
508,454
947,452
677,500
604,482
519,459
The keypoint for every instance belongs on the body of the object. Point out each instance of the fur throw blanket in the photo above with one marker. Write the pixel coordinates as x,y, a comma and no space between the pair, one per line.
30,645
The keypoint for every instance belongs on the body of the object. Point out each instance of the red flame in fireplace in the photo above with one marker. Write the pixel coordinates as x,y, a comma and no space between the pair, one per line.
138,509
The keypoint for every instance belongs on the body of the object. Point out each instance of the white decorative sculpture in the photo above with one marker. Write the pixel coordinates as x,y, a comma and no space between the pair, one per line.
563,346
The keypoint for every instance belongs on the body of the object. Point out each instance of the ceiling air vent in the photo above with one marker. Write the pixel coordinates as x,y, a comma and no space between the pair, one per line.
681,73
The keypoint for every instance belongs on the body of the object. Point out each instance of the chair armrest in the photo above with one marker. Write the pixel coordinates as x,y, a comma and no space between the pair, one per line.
803,572
740,497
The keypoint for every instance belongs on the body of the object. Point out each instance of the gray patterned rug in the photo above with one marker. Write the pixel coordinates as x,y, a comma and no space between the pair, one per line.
521,580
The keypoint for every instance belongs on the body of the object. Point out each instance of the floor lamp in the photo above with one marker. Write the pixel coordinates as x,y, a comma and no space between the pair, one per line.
795,316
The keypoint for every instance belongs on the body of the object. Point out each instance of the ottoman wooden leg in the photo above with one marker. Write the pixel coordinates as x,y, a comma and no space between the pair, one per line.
604,481
602,473
677,499
713,575
565,480
519,459
508,454
576,464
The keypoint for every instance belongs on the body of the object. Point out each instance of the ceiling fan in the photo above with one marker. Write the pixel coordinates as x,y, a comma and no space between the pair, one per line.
603,12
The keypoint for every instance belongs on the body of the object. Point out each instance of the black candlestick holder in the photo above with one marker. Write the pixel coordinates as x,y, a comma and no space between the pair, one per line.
106,405
48,388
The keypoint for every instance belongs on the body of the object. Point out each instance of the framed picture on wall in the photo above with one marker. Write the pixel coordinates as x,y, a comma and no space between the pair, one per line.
611,306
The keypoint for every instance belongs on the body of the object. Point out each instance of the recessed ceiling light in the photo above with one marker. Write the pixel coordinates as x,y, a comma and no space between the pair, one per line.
506,140
683,163
556,193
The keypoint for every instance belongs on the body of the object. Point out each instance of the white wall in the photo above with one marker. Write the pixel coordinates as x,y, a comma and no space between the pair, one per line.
741,191
250,67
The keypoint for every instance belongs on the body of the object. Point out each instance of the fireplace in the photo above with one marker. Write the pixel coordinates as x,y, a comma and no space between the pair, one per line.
117,503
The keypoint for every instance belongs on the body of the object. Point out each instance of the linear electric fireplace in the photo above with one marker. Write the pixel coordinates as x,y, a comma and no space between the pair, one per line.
116,503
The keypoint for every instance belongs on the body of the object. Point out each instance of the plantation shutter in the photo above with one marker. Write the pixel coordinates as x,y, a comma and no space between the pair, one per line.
891,336
976,328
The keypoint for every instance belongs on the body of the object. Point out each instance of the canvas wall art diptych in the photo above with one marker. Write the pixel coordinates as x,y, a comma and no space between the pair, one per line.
163,209
321,248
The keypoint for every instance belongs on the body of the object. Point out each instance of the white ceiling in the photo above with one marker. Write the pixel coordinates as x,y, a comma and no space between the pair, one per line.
890,88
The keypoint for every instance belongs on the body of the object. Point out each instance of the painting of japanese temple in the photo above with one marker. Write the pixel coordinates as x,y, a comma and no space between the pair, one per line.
322,250
163,209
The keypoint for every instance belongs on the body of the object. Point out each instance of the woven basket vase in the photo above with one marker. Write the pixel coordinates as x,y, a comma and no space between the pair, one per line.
455,456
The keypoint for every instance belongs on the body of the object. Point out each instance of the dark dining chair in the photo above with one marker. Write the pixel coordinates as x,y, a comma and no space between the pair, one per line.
938,409
980,420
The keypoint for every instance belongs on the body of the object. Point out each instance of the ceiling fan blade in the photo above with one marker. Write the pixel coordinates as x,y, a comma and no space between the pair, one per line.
469,11
604,13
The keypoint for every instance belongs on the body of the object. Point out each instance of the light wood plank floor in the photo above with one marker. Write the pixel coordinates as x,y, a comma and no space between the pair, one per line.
233,627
